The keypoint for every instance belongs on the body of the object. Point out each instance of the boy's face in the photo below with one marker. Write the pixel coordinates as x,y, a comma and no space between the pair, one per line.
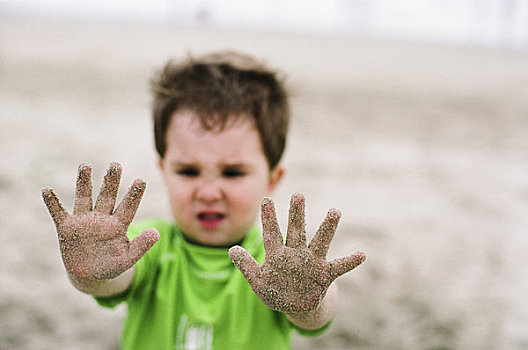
216,180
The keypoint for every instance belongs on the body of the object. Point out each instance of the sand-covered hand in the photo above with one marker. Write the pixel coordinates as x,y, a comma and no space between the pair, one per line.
294,277
93,240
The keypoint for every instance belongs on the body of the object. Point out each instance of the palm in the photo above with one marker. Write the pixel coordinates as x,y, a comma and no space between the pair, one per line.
294,277
297,271
93,241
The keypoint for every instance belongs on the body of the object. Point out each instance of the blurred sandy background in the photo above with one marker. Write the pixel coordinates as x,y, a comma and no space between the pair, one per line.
423,147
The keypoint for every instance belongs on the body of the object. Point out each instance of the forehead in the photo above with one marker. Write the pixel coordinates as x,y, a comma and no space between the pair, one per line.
188,140
187,118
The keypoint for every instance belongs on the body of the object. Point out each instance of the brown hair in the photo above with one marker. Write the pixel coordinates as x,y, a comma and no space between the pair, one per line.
221,88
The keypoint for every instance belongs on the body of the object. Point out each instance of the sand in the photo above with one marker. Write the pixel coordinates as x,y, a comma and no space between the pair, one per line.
421,147
294,277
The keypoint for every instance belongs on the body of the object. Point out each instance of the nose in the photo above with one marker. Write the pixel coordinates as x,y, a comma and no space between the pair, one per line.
209,192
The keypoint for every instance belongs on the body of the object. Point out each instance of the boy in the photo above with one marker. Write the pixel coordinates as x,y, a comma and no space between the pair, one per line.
220,124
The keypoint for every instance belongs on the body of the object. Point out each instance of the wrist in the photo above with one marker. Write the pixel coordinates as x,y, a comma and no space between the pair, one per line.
319,317
103,288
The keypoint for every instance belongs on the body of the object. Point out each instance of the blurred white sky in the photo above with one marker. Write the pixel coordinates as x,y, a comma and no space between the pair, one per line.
494,23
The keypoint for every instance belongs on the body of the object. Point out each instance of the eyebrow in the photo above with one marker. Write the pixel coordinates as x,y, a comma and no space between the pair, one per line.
182,164
237,165
179,164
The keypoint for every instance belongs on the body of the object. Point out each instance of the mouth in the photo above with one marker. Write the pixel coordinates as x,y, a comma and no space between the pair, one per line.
210,220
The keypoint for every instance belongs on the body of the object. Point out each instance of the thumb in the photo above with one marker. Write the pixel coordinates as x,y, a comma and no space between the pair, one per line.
142,243
341,266
247,265
137,248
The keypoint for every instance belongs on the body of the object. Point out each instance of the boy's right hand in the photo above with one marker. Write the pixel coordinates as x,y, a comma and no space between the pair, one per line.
93,241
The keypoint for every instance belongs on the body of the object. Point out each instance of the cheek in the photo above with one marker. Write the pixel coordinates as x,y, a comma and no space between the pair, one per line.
247,198
179,193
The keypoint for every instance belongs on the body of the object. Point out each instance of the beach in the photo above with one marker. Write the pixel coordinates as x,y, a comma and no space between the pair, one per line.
422,147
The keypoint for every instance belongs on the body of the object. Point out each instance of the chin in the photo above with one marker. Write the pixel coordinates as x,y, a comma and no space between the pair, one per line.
210,239
220,242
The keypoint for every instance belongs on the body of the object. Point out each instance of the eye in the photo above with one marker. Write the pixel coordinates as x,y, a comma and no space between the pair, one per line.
188,172
233,172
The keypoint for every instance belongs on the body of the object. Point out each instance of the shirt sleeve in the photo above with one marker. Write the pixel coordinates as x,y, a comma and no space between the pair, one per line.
113,300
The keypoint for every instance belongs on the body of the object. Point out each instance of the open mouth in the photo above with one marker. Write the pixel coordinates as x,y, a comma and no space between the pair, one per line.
210,220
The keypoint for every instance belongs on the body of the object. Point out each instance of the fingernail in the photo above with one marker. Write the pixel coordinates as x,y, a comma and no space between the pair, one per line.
361,256
334,213
267,201
48,192
113,168
297,198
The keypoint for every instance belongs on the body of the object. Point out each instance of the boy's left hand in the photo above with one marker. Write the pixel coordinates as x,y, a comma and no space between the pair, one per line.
294,277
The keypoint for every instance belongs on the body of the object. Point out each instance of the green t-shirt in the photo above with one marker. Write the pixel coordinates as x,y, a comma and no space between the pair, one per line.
186,296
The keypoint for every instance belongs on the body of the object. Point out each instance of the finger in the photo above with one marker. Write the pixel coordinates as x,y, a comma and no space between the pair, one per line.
55,208
107,196
296,236
270,227
321,241
141,244
246,264
83,190
126,210
341,266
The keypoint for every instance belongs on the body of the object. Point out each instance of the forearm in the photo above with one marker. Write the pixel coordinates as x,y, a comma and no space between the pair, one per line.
104,288
319,317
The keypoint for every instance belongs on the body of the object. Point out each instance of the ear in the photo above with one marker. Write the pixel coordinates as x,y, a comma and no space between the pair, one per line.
276,174
161,168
